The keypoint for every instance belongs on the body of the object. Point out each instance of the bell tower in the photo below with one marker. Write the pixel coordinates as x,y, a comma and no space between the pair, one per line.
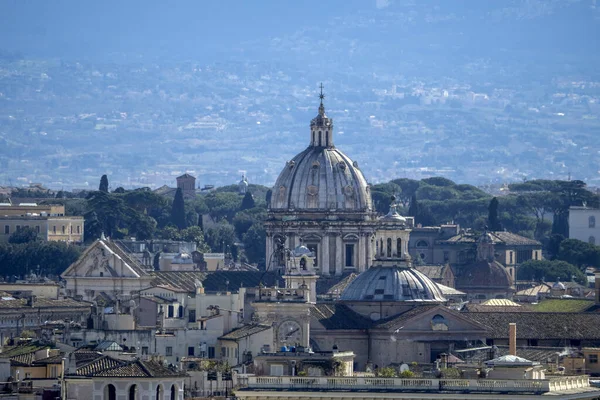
300,272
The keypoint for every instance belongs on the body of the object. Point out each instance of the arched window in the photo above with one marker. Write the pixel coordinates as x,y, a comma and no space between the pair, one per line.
110,392
439,323
381,247
159,392
327,138
320,139
303,263
133,392
399,247
592,221
173,392
592,240
422,243
389,247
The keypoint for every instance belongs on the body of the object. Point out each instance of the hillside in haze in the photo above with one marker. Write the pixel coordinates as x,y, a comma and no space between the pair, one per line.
475,91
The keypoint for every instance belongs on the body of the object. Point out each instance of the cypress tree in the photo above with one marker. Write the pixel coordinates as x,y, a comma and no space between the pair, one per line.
178,210
103,184
248,201
493,222
413,208
268,197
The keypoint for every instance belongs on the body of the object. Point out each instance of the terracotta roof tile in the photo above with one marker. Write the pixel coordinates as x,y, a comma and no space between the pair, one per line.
338,316
244,331
540,325
215,281
138,369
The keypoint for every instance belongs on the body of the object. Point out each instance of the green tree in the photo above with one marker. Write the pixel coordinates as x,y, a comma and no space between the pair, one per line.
553,245
245,219
111,214
381,195
194,234
438,181
268,196
45,258
221,238
579,253
103,184
255,241
413,209
554,270
24,235
408,187
201,222
223,205
142,226
248,201
493,221
178,210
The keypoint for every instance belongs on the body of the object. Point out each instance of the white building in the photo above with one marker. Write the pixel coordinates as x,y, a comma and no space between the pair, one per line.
584,224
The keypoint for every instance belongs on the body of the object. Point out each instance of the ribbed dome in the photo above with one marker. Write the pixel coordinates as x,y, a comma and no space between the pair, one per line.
384,283
482,274
321,178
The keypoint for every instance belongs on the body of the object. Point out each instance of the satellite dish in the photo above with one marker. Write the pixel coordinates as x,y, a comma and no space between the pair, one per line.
404,367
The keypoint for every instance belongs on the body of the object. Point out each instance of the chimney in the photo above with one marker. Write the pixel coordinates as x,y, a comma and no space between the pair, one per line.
512,339
597,286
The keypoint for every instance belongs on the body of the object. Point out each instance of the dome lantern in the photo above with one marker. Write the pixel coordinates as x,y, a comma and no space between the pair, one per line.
321,127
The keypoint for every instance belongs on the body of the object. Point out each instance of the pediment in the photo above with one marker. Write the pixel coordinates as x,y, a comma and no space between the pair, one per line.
100,260
436,319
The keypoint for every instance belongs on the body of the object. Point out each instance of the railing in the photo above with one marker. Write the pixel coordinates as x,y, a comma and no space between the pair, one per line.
399,384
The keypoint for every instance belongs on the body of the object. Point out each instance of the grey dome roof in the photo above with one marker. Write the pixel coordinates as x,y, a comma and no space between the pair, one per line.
182,258
384,283
392,216
321,178
301,250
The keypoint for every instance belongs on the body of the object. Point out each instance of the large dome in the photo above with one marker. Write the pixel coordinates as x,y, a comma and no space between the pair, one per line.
393,283
321,177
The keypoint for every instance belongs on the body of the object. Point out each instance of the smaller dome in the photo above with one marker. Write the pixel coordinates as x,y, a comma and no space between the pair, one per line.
392,215
301,251
182,258
558,285
393,283
483,274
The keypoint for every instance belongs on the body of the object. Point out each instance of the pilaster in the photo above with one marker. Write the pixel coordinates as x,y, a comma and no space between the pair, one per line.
325,269
361,253
339,264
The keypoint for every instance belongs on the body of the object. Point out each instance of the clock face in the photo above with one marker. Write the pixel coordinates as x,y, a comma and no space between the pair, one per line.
289,333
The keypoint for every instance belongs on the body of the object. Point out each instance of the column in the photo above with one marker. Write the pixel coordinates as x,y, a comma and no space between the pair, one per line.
362,262
325,270
306,328
369,244
339,262
269,257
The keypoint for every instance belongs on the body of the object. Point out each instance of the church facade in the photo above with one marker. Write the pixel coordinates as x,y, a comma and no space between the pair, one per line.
322,200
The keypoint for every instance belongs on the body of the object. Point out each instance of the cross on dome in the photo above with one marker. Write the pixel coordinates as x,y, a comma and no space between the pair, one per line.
321,126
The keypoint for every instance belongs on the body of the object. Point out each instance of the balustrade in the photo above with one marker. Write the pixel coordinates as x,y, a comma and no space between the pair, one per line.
399,384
